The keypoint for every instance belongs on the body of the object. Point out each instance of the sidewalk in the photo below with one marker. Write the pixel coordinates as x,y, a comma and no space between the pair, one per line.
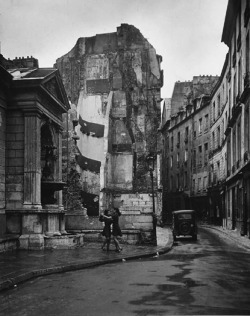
20,265
242,241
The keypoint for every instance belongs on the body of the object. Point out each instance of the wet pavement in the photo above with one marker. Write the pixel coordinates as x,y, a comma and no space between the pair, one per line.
20,265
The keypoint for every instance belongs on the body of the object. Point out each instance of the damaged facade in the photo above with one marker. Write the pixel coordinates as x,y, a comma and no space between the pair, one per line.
113,81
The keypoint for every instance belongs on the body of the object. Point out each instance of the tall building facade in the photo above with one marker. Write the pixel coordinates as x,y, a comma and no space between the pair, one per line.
185,147
220,163
237,185
114,80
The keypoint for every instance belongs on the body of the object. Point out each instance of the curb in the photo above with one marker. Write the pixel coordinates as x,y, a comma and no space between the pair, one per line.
12,282
225,233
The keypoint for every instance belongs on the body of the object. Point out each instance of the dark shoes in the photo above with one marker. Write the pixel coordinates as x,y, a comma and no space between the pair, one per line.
118,250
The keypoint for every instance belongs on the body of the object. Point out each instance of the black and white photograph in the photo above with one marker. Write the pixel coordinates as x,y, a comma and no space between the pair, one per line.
124,157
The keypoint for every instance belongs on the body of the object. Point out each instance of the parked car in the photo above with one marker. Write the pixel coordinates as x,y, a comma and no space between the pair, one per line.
184,224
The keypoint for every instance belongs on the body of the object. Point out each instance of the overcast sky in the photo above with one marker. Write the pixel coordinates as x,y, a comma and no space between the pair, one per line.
186,33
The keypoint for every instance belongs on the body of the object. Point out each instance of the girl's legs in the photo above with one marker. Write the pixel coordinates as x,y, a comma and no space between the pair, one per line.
108,243
104,243
117,245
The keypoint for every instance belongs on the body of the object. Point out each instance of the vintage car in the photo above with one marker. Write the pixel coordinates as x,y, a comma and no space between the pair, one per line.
184,224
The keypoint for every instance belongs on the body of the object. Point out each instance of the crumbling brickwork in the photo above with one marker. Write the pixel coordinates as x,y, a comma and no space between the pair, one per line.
114,81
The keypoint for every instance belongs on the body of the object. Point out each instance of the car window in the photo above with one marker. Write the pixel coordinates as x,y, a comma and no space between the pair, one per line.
184,216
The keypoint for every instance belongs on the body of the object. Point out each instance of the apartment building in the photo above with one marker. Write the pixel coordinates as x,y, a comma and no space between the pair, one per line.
237,185
185,147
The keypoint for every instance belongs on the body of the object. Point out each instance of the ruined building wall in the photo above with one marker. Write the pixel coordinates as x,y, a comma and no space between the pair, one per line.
114,81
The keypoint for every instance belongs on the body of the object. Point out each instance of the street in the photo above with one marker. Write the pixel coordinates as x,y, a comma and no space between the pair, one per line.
210,276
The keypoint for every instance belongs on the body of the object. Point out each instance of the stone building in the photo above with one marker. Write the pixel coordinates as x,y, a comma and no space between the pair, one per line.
32,101
113,81
185,147
219,116
227,158
235,35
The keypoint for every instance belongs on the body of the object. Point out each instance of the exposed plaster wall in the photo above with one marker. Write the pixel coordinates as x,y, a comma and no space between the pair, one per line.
115,80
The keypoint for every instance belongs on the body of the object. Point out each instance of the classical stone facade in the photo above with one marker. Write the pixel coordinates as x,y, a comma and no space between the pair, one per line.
32,101
114,81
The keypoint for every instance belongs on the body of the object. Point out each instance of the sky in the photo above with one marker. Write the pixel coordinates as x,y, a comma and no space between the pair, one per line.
186,33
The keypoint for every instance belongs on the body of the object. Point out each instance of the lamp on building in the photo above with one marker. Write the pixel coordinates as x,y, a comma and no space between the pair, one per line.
151,164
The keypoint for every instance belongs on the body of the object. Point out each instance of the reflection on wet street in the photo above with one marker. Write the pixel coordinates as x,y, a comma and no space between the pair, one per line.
207,277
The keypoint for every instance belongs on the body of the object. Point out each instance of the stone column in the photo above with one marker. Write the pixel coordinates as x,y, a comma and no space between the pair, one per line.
32,225
32,161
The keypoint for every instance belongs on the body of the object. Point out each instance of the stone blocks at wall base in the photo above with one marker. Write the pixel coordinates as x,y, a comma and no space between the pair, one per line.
40,242
129,236
9,243
31,242
64,242
76,222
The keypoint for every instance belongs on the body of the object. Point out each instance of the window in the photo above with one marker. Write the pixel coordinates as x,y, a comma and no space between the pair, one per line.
205,183
171,162
195,127
239,141
193,184
239,77
213,111
206,122
234,92
172,143
186,134
194,158
200,155
178,139
218,169
186,155
213,141
185,179
234,146
218,136
199,184
247,54
229,102
200,125
218,104
205,154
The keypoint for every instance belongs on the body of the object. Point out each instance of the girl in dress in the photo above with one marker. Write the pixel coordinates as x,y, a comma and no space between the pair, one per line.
116,228
107,219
